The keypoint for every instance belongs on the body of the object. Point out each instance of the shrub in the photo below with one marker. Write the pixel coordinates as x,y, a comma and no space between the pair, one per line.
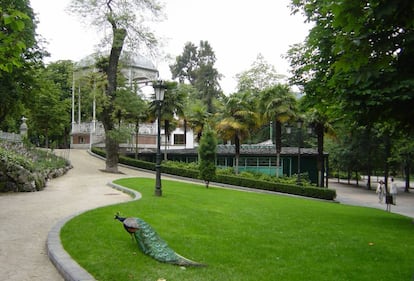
226,176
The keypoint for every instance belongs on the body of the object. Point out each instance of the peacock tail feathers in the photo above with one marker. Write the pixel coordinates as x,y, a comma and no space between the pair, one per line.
150,243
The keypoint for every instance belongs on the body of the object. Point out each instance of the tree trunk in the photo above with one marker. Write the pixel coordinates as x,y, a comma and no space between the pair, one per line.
185,133
110,140
407,176
278,144
387,145
369,168
320,130
136,138
237,154
166,138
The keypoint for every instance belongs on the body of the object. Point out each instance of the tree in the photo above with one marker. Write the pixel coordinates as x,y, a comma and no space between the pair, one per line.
20,57
238,120
172,106
207,156
361,51
196,65
319,122
197,117
49,113
277,104
259,77
126,20
186,65
61,73
355,64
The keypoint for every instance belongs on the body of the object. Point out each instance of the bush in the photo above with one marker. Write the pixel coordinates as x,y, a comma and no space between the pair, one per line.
226,176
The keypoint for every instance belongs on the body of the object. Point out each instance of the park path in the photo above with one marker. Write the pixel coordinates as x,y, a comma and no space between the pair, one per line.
26,218
359,195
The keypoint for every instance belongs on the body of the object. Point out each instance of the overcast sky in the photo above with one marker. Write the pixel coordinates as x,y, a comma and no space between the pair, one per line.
237,30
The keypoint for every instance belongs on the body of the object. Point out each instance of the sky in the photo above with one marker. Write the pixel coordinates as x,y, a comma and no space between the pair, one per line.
237,30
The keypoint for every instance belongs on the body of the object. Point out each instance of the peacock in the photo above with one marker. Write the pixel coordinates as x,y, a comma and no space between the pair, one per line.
150,243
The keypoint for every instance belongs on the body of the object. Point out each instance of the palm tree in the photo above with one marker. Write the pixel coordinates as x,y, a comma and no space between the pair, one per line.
197,117
277,104
172,107
237,121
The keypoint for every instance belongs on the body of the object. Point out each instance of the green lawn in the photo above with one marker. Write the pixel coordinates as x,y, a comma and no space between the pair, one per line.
243,236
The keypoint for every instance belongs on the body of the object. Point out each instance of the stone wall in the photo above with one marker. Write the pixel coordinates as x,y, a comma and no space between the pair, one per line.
15,176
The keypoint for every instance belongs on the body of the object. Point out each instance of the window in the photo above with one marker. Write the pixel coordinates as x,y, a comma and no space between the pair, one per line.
179,139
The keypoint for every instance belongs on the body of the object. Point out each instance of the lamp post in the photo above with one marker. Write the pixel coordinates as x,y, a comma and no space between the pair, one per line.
159,89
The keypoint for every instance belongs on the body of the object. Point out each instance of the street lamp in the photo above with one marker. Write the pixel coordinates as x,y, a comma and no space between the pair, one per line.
159,89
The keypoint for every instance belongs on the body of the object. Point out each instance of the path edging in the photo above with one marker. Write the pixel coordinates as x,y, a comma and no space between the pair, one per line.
67,267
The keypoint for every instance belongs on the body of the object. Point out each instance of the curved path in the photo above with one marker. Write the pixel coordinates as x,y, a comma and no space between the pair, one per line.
26,218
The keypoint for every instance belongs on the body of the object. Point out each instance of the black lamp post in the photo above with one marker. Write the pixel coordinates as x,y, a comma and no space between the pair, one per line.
159,89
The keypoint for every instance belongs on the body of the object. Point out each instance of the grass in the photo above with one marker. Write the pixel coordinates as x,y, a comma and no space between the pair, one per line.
243,236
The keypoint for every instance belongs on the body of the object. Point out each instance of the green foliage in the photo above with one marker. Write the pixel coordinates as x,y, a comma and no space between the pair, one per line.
14,24
225,176
39,164
126,29
259,77
357,58
196,66
19,59
243,236
207,156
31,159
11,157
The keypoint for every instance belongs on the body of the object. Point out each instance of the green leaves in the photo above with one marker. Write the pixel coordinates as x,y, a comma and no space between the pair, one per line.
12,24
357,54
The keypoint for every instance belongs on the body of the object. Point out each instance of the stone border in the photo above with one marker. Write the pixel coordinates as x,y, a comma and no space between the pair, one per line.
68,268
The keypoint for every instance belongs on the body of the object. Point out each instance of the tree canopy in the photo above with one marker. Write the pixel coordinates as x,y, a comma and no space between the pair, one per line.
359,55
196,66
19,57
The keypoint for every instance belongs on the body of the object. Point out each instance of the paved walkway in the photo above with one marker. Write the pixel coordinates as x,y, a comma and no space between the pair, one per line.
26,218
351,194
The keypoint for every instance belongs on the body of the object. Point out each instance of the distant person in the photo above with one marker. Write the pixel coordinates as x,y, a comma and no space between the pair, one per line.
381,191
393,191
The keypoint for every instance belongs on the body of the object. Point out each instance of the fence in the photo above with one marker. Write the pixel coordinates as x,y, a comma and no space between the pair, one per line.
11,137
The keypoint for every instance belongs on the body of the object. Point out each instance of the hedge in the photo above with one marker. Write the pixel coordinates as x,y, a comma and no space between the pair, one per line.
307,191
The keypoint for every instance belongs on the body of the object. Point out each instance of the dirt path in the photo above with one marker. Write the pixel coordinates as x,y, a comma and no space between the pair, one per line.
26,218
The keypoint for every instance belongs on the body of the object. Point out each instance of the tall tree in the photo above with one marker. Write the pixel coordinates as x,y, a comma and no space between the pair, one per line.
277,104
196,65
172,107
49,114
238,120
207,156
20,57
362,51
60,73
127,25
260,76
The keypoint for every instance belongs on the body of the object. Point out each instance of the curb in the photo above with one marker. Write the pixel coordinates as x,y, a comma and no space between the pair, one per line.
68,268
